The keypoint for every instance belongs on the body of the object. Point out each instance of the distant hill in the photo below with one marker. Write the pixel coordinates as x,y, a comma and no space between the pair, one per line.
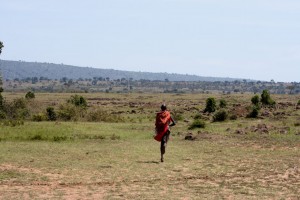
20,69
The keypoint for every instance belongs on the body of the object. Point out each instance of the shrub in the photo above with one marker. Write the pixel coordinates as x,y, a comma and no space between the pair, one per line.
51,114
298,103
115,137
198,116
255,100
210,105
67,112
220,116
78,101
12,123
19,103
233,117
254,113
177,114
103,116
17,109
59,138
197,124
36,137
29,95
266,98
223,103
1,101
2,114
39,117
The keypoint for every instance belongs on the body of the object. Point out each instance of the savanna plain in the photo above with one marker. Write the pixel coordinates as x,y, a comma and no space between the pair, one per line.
114,156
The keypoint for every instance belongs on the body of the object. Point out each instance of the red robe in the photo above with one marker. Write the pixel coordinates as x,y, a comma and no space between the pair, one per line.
163,119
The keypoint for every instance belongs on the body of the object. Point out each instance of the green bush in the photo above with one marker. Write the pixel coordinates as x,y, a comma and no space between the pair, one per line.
254,112
78,101
68,112
197,124
59,138
29,95
51,114
266,98
233,117
36,137
220,116
255,100
39,117
298,103
223,103
2,114
210,105
1,101
198,116
17,109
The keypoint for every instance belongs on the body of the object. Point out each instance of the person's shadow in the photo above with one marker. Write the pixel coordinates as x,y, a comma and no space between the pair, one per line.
148,162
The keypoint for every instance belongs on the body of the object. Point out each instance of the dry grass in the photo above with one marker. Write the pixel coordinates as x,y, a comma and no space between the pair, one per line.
121,160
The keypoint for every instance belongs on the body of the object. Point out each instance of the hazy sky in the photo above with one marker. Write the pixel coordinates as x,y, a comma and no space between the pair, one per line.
256,39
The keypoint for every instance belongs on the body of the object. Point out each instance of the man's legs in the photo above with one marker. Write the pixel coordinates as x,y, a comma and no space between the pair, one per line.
163,145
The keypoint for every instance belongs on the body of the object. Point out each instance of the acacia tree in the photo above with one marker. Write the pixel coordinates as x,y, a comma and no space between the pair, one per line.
1,46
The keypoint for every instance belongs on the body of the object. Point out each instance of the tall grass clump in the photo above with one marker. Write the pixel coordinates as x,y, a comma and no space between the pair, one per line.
197,124
177,114
99,115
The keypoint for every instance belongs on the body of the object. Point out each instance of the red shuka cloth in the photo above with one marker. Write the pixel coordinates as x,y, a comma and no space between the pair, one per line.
163,119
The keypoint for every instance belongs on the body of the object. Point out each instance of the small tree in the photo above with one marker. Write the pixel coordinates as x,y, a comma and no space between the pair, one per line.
1,46
254,112
255,100
51,114
210,105
223,103
266,98
29,95
77,100
220,116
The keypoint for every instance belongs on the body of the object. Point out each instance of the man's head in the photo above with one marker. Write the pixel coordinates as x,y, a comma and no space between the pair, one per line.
163,107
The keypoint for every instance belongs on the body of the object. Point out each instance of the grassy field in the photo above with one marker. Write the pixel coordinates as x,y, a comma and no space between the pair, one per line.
235,159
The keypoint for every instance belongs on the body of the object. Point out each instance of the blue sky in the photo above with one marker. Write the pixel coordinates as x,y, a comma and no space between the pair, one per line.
255,39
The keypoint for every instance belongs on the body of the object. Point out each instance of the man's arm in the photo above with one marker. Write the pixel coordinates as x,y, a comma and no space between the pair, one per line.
173,122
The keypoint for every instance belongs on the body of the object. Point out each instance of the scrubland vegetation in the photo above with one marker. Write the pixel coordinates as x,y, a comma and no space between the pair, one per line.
100,145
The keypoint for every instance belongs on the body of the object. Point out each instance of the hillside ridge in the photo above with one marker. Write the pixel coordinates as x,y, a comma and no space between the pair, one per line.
21,69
